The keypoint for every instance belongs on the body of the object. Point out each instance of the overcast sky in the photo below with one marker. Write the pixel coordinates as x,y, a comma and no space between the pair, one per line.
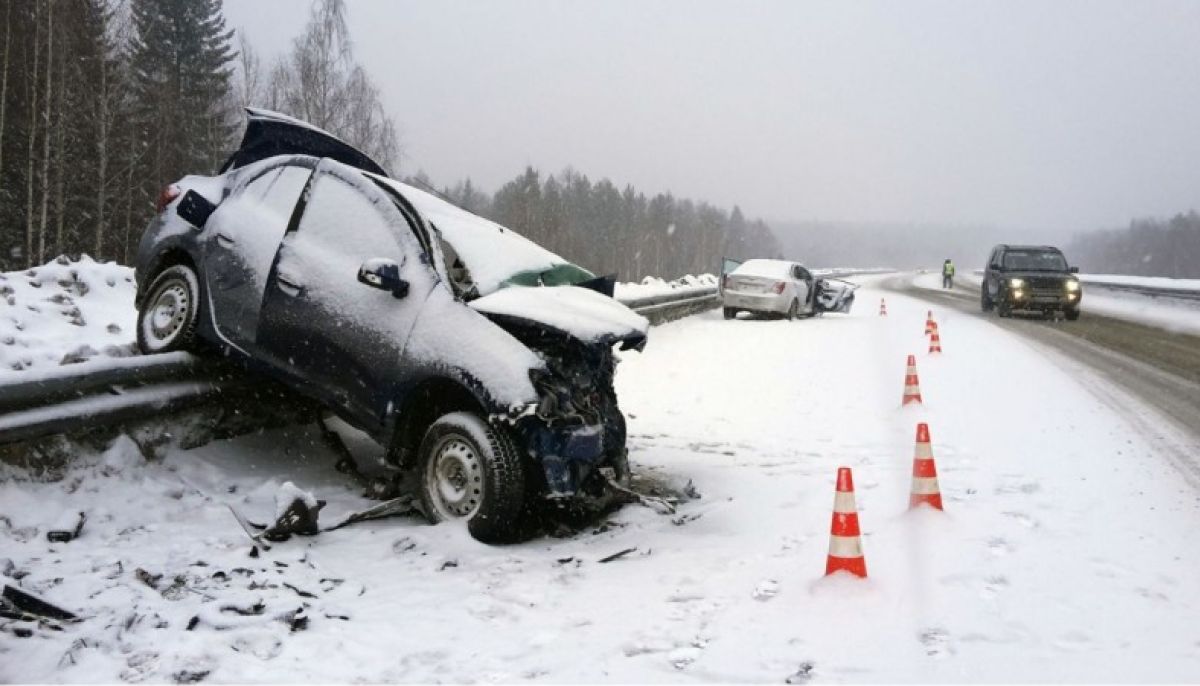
1055,115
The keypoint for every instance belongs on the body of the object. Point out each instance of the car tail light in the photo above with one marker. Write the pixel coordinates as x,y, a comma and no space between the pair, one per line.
779,286
165,197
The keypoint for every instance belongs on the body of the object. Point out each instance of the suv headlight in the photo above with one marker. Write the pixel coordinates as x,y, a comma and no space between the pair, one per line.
1016,283
1072,286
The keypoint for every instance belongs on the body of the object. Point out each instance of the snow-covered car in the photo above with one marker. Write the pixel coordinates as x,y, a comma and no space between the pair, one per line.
473,355
778,287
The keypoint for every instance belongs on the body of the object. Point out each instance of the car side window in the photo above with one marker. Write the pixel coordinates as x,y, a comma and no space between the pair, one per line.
796,272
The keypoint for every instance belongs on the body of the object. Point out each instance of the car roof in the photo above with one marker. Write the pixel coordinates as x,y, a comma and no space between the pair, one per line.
1006,246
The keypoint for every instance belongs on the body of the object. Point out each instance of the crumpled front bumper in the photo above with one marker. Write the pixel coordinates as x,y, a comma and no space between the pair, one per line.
567,454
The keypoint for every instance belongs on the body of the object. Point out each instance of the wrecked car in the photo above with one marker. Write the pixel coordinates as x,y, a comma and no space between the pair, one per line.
780,288
481,361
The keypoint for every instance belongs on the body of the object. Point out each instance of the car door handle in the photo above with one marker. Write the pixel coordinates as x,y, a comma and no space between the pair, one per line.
289,286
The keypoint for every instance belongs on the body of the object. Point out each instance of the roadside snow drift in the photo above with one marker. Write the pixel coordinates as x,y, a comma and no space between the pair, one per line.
64,312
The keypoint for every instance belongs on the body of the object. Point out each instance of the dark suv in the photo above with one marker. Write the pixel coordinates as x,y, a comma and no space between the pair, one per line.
1030,278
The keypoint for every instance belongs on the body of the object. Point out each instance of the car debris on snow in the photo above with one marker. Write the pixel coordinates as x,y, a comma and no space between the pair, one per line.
617,555
68,527
22,605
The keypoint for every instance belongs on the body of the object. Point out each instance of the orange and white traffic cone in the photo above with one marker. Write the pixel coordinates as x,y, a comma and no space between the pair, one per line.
845,539
925,489
912,386
929,324
882,308
935,341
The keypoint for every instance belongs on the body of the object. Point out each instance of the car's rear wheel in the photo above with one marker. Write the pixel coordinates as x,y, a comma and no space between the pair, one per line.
167,320
793,309
472,471
729,312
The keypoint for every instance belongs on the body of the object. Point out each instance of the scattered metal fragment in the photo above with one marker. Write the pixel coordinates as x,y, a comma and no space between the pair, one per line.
617,556
300,592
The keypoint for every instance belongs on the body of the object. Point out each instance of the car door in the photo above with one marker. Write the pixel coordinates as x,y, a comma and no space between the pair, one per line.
800,285
243,236
809,301
993,273
338,338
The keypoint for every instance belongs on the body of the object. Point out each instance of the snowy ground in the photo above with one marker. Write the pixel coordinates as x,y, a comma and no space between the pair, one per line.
64,310
1067,550
1172,314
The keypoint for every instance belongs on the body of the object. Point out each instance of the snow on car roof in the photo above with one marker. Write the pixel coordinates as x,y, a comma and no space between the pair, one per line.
771,269
493,253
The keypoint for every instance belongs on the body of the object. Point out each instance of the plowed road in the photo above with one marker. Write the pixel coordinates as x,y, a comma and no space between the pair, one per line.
1160,368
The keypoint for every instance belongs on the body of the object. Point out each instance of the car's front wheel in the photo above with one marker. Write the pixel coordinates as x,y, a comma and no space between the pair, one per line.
167,319
985,303
1072,314
472,471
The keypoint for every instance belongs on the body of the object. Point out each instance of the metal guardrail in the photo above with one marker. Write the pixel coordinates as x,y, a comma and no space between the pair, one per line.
104,393
1151,291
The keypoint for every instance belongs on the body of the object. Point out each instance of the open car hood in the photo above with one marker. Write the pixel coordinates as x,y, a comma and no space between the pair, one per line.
576,312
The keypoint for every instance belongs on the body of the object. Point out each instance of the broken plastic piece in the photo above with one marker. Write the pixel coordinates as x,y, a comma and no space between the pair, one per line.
31,604
67,528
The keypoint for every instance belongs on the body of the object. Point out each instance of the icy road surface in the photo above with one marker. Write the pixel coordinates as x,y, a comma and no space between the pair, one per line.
1068,549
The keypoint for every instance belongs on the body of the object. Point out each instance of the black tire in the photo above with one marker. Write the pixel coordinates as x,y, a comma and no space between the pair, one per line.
1004,309
167,319
985,303
792,310
729,312
1072,314
490,484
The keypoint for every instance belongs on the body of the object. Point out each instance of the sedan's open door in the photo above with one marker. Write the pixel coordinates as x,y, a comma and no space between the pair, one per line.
835,295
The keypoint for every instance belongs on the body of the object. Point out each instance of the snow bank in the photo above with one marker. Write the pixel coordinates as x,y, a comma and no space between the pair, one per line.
651,286
65,311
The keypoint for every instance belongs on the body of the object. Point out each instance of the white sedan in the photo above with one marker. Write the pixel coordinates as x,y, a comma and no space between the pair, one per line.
778,287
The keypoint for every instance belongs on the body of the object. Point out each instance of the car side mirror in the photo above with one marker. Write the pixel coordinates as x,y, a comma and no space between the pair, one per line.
383,274
1073,270
195,209
996,267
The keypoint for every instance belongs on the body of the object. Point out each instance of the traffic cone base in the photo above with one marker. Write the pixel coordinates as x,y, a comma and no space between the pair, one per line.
925,490
912,385
845,538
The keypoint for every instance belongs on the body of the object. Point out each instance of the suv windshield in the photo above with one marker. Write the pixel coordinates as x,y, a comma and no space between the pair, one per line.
1035,260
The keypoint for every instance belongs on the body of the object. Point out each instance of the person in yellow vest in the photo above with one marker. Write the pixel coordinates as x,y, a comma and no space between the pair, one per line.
947,274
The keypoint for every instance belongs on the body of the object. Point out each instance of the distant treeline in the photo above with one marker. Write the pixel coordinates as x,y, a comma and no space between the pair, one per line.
610,229
103,102
1149,247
